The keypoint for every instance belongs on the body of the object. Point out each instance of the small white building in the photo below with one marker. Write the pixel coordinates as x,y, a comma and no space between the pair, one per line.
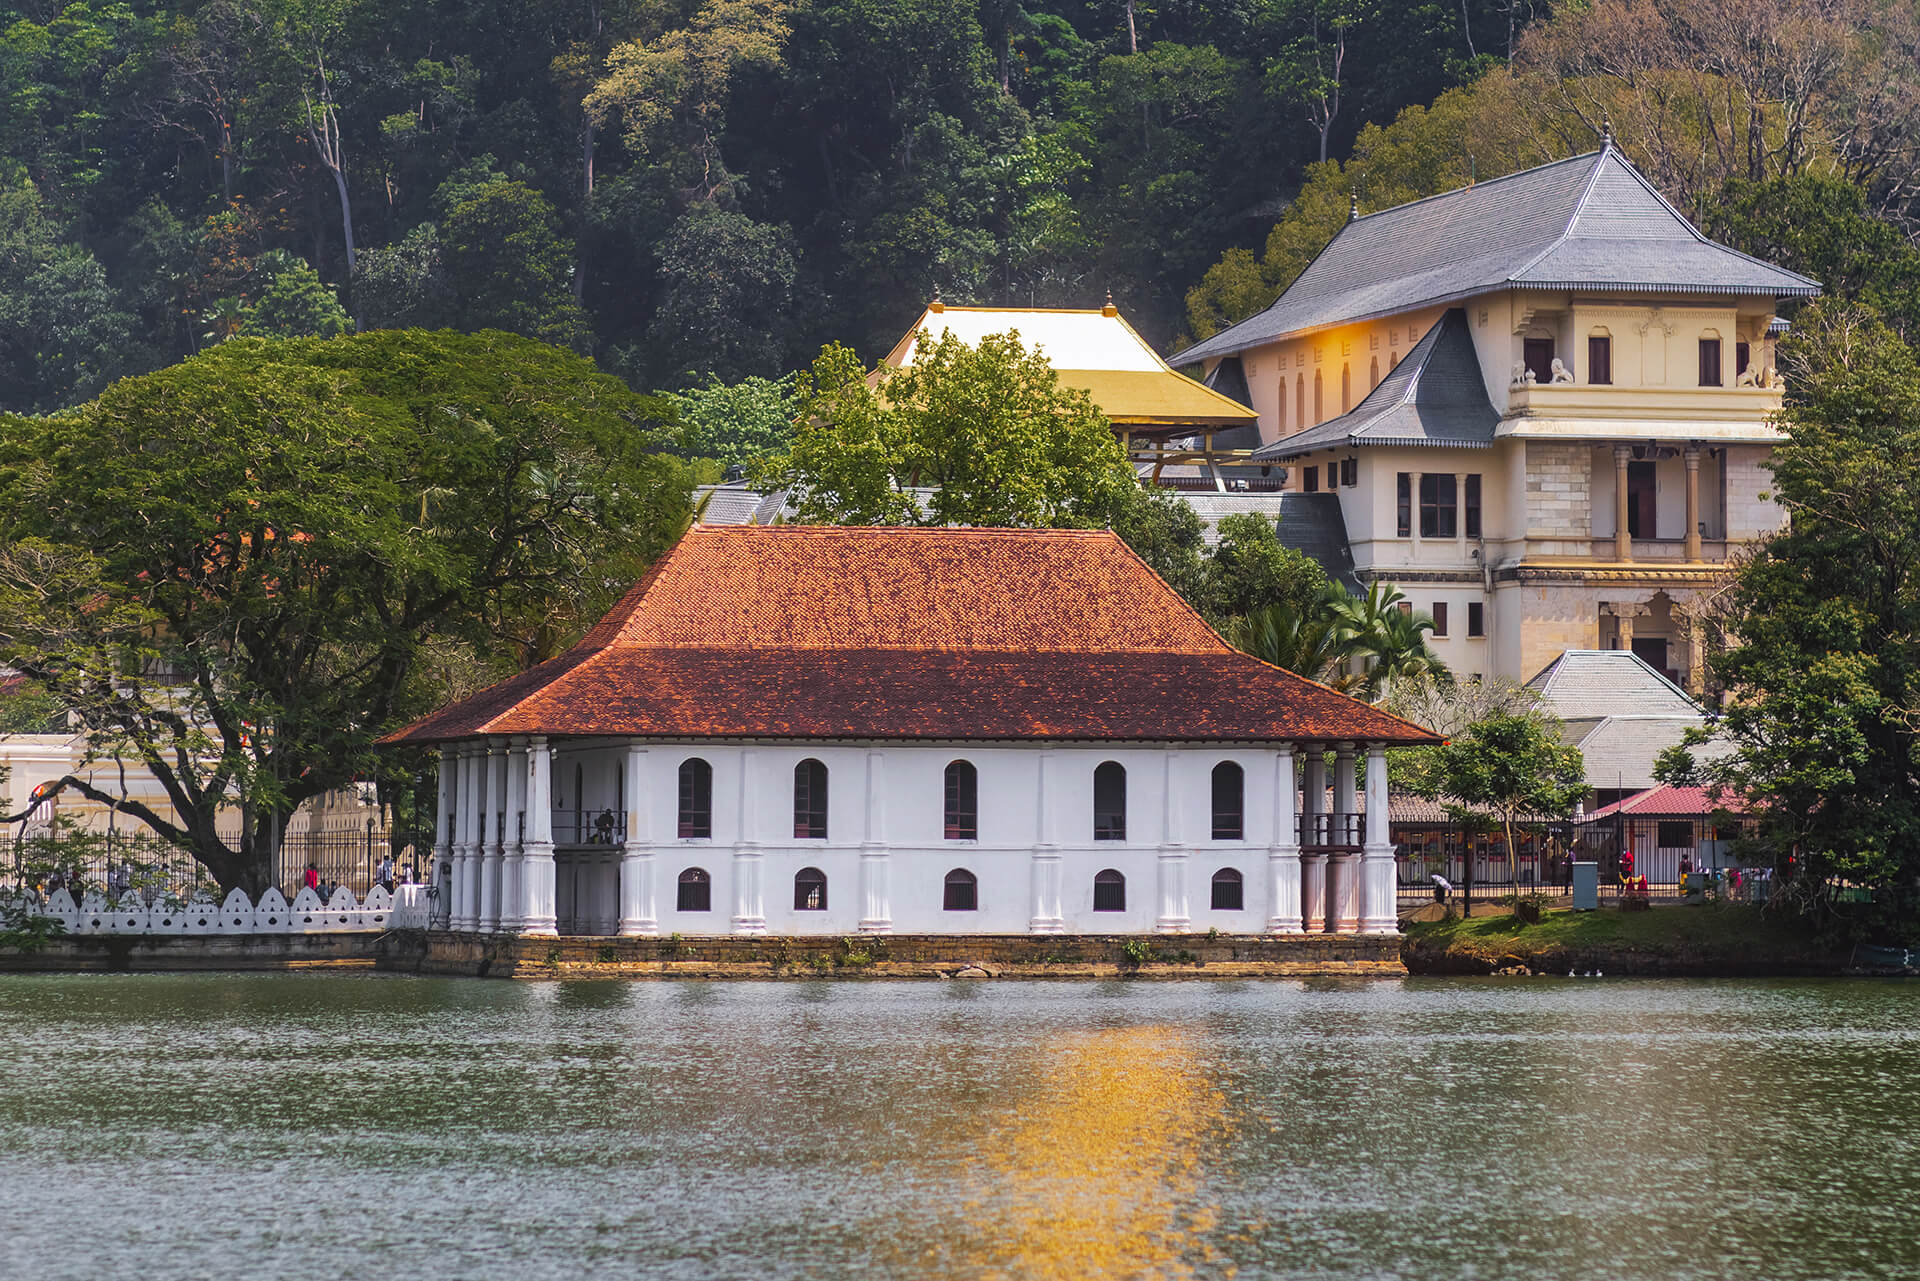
801,730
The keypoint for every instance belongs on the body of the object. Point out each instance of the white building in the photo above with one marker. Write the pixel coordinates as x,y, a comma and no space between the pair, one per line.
1544,403
799,730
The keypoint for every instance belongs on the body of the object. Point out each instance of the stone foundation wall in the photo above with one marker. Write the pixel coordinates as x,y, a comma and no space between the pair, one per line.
891,956
175,952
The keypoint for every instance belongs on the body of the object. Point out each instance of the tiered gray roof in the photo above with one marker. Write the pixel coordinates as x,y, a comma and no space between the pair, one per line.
1589,223
1591,683
1436,396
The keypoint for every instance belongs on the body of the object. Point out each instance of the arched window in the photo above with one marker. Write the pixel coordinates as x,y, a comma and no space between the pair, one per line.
963,891
1300,399
1109,891
810,890
1346,388
1229,892
1373,374
1110,802
963,802
1229,802
1280,404
1319,399
810,801
696,891
696,798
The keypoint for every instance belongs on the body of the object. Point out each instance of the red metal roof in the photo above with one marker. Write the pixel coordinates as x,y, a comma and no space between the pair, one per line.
830,632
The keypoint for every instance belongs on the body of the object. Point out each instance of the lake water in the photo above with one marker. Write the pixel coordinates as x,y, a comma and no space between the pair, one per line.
296,1126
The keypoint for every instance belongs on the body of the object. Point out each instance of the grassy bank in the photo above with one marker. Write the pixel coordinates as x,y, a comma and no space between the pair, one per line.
1698,939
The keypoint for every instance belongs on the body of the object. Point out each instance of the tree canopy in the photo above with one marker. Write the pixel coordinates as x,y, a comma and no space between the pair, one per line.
244,569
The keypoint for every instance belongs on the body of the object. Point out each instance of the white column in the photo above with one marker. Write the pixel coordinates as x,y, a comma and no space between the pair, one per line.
513,842
1313,857
1174,917
493,794
876,910
1343,887
537,864
1283,849
1046,917
466,905
749,908
1379,901
443,833
637,913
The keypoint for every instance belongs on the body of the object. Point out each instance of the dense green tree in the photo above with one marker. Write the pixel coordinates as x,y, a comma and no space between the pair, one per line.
508,266
1501,769
738,423
726,287
986,433
1823,668
243,569
1252,569
295,304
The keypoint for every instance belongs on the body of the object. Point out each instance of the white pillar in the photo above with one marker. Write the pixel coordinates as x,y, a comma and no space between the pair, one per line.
1313,855
638,916
493,802
537,860
466,903
1283,849
1174,917
1343,887
1380,906
749,907
1046,917
443,833
513,841
876,903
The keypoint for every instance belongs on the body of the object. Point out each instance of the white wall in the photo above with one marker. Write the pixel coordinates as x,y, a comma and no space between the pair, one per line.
908,824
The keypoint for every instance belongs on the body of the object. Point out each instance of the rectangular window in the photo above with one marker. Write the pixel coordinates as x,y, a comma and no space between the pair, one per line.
1439,618
1476,619
1406,607
1742,354
1709,362
1642,487
1675,835
1472,503
1349,472
1403,491
1538,353
1311,480
1599,360
1438,507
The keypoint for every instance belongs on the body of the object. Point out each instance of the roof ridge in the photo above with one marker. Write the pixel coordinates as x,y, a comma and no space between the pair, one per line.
1474,185
1566,230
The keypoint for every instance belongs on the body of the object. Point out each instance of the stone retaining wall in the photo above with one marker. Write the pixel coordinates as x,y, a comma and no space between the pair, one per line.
891,956
339,949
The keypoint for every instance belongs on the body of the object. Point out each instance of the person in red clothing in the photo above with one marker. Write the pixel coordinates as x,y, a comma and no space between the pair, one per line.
313,878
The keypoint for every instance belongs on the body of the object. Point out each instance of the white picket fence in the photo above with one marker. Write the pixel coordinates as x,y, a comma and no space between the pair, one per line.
240,915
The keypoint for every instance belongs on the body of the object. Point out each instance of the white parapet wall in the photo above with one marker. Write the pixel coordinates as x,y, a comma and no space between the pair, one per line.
237,914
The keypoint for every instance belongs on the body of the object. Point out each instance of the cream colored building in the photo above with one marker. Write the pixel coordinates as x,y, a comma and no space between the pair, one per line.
1544,403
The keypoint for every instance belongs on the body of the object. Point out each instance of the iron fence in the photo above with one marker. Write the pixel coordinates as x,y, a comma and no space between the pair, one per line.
118,862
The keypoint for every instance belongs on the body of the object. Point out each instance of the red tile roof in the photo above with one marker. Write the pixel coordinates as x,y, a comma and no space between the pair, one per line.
1667,801
828,632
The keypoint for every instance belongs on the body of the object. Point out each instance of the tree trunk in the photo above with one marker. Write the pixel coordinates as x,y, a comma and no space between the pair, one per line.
1133,35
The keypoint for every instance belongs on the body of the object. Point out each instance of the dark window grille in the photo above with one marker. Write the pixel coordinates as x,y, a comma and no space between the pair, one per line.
1349,472
1742,357
1599,360
1110,802
962,893
1538,353
810,801
1403,494
1229,892
810,890
696,891
1109,891
1472,504
1476,619
1674,834
1311,481
1229,802
696,798
1709,362
963,802
1437,506
1439,618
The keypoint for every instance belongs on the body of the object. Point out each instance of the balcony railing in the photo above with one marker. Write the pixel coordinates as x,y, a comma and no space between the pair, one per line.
589,827
1659,549
1323,832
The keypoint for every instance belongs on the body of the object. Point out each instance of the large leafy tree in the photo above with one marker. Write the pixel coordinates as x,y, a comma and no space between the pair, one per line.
986,433
243,569
1824,668
1505,767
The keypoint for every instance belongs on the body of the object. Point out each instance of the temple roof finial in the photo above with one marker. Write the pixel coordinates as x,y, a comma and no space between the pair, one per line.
1353,205
936,305
1606,130
1109,309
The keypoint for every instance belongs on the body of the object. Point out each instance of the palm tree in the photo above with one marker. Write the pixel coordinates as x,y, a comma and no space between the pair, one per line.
1308,642
1389,638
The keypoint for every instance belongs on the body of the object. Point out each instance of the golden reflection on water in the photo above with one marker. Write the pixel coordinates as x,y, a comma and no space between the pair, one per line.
1097,1171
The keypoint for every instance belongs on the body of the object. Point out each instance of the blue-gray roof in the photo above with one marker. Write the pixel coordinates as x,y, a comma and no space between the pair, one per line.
1436,396
1589,222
